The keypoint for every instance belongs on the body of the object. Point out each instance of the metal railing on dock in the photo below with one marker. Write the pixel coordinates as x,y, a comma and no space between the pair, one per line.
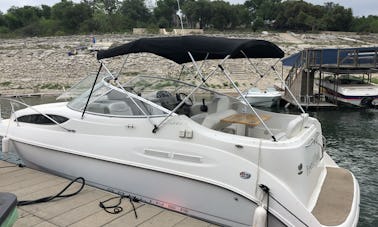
310,65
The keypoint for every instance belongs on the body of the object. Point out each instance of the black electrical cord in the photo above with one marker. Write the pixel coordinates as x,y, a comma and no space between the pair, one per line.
131,201
59,195
117,208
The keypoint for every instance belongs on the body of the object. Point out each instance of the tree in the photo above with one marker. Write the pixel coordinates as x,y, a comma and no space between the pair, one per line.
299,15
337,18
70,15
46,11
242,15
166,11
135,13
108,6
265,9
365,24
223,15
198,12
23,16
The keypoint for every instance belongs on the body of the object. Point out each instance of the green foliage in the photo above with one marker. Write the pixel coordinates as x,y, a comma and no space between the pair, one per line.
365,24
4,30
161,85
257,24
134,13
5,84
53,86
165,12
107,16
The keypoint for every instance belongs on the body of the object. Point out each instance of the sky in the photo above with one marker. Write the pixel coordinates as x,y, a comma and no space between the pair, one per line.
359,7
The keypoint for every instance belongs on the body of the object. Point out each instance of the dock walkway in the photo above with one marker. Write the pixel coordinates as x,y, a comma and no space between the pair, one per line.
82,209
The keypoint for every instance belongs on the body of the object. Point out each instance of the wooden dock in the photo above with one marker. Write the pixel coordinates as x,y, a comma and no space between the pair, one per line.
312,105
82,209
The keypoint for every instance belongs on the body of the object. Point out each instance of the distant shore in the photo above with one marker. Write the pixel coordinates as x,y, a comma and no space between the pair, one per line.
49,65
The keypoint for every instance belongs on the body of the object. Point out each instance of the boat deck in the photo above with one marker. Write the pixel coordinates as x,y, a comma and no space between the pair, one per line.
82,209
336,197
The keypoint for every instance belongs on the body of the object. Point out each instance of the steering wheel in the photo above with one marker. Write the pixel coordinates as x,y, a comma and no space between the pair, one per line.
182,96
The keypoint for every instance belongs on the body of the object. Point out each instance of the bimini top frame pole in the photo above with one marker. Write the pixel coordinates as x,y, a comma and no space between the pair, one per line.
287,88
256,69
227,74
203,80
128,95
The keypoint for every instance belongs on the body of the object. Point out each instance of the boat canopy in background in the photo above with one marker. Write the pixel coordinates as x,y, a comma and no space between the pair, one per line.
200,47
363,56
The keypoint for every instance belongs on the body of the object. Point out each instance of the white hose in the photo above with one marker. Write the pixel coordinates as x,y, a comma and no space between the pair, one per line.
258,167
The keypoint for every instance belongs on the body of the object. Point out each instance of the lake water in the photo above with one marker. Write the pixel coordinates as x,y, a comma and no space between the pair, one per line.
352,141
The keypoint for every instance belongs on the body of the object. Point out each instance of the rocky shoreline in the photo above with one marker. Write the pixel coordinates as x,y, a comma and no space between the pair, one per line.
43,65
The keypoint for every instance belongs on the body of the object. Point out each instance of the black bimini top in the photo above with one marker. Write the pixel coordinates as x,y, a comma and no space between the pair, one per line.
177,48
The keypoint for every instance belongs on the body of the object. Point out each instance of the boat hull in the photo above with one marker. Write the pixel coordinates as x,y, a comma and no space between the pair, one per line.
188,196
360,97
264,101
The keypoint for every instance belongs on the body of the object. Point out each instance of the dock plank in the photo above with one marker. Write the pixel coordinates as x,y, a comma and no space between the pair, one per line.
27,219
78,213
29,181
47,192
7,167
165,218
45,224
144,212
101,218
24,192
80,210
85,196
191,222
20,177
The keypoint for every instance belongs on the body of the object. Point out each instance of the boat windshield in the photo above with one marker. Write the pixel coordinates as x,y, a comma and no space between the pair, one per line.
108,99
168,93
347,80
138,97
82,86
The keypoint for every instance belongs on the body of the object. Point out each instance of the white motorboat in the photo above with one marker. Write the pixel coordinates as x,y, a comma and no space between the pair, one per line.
179,145
350,90
263,98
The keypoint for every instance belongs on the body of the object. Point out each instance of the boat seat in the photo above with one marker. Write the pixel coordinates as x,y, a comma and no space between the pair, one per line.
120,108
293,128
98,108
219,103
199,118
213,120
295,125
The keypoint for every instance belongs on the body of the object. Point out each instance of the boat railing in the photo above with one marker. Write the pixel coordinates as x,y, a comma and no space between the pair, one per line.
13,112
